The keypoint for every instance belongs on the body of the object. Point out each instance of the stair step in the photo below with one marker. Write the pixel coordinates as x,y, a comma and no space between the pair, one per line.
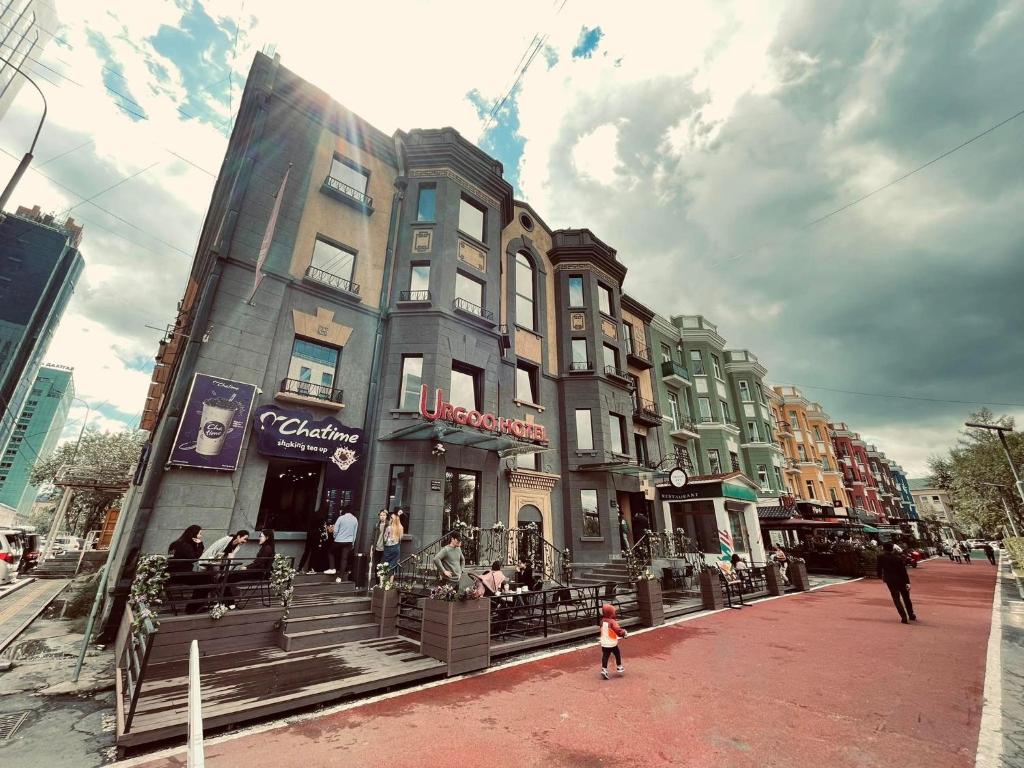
325,638
320,607
325,588
313,578
297,624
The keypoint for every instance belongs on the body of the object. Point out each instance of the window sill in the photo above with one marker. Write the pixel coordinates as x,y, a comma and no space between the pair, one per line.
293,398
431,223
586,453
474,316
473,241
348,200
528,404
413,303
403,411
528,330
591,538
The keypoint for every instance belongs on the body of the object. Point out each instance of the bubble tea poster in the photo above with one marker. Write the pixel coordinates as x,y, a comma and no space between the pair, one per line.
213,424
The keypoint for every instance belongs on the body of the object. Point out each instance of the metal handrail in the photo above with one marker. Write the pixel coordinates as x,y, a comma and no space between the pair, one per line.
639,352
578,365
309,389
210,580
345,189
644,407
611,370
132,660
414,295
672,368
543,613
334,281
662,545
467,306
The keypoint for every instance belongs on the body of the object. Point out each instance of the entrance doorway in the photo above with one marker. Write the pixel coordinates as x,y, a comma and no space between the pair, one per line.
291,493
529,546
461,499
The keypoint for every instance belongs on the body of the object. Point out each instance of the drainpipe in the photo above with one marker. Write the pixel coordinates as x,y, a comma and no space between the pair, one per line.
377,362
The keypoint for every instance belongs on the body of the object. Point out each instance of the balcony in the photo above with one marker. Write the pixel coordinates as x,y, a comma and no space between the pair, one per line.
617,373
791,466
341,191
673,374
299,391
646,412
581,366
414,297
461,305
639,356
326,278
684,429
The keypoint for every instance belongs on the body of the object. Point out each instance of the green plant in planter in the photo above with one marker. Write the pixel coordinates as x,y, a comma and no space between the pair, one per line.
282,578
218,610
385,577
147,591
445,593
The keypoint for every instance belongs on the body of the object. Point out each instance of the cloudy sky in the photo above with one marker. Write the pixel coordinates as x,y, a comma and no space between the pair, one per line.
704,144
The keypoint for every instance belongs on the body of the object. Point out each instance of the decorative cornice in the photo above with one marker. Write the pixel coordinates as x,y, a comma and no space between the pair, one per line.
524,478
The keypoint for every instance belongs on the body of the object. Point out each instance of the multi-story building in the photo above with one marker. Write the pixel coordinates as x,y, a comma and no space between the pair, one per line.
26,26
934,505
35,436
812,467
480,366
888,493
899,476
39,266
851,453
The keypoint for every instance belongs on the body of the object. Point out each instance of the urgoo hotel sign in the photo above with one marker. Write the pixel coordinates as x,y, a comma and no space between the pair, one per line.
487,422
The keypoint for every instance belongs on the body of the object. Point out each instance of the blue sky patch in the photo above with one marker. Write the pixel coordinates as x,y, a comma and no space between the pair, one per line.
114,82
502,139
587,42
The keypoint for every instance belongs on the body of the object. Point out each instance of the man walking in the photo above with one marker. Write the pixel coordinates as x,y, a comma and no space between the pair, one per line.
893,571
990,553
345,529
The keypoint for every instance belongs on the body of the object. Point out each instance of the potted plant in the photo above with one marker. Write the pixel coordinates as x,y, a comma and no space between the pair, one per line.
384,599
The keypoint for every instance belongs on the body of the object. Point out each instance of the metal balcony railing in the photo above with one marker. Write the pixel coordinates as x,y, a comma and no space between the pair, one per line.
577,366
708,420
326,278
468,307
640,354
341,188
618,373
414,295
672,368
309,389
646,410
684,425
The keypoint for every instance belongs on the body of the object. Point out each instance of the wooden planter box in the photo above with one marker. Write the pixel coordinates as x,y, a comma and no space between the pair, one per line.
384,606
798,576
648,597
773,579
711,591
457,633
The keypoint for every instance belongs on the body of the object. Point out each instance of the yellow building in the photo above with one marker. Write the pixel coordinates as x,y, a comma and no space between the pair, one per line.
812,472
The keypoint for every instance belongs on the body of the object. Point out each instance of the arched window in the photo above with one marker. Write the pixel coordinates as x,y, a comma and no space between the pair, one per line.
526,315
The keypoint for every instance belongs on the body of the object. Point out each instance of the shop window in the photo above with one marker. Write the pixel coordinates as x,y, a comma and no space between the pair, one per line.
697,518
313,368
696,363
411,381
584,430
739,532
604,299
461,499
616,433
426,203
400,489
576,291
465,386
471,219
290,499
591,516
526,383
525,287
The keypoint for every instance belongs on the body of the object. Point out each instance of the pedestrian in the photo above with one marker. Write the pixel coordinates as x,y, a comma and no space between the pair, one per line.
225,547
893,571
623,532
739,568
450,561
314,554
182,556
958,553
611,632
782,561
377,550
990,553
641,526
345,529
949,551
393,532
967,552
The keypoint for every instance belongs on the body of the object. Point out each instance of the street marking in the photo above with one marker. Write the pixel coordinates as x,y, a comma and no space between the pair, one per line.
990,733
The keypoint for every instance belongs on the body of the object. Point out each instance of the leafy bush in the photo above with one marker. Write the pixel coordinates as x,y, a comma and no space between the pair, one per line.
1015,546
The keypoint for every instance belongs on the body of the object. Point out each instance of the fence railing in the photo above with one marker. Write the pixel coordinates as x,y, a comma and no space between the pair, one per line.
469,307
745,583
309,389
131,656
196,585
547,612
340,187
663,545
325,277
414,295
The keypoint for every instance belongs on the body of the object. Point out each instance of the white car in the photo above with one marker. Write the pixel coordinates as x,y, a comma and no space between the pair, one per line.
10,555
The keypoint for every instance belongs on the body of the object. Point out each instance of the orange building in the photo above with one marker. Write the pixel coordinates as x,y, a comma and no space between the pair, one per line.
812,472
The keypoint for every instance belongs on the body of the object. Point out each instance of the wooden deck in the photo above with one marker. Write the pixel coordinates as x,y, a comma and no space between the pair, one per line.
246,685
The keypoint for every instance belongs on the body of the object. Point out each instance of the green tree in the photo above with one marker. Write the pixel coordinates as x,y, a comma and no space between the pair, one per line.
108,456
977,477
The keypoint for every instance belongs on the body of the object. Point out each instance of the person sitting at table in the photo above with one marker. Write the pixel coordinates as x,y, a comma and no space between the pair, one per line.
524,574
258,570
494,580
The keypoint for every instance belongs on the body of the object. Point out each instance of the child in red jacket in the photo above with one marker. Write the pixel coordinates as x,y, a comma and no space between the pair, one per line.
610,634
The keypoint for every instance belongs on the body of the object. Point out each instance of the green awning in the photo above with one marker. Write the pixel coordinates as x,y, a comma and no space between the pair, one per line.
869,528
731,491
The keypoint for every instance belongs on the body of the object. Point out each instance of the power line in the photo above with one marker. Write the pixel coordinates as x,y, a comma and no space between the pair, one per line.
909,397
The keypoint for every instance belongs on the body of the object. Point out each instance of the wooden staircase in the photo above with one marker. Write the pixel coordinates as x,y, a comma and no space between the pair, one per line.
325,614
614,570
58,566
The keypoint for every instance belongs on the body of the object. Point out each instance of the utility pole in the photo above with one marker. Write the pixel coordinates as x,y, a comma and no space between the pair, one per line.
27,159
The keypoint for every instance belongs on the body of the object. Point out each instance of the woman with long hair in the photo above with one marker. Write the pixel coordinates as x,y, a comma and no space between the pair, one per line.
182,555
393,540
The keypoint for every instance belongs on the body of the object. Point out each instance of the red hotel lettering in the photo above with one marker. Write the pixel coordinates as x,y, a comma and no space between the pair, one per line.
486,421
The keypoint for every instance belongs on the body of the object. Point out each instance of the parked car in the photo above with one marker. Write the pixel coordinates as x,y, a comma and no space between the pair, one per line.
32,548
66,543
10,554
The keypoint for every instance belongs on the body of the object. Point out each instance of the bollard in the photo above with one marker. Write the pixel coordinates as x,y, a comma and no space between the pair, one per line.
195,710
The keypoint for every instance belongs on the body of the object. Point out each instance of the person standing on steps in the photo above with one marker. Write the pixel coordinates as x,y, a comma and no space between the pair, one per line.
345,529
893,571
623,532
990,553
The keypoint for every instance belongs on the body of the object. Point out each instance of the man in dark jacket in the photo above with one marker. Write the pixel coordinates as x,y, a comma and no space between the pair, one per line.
893,571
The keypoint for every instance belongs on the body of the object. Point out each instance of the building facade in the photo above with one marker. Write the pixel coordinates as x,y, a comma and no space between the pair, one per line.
35,435
39,267
812,467
26,26
907,503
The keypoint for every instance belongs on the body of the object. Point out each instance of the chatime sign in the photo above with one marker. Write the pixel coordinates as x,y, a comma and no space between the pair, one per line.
488,422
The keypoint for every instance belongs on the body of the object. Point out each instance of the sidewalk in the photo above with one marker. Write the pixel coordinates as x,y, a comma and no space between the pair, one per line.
824,678
19,607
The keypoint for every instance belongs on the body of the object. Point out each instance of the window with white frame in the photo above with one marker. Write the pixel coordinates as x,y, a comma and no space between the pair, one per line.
410,382
526,383
584,430
745,392
591,516
762,477
696,363
525,282
617,433
348,175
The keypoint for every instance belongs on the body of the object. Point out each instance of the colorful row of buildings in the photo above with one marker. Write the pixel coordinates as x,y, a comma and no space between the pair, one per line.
374,321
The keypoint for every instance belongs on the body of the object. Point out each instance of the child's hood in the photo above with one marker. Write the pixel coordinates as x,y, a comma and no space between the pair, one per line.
608,611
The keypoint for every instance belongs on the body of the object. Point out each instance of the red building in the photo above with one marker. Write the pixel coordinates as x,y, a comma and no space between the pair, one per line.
860,484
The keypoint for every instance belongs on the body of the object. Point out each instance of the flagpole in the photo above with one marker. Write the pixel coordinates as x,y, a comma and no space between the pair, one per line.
268,237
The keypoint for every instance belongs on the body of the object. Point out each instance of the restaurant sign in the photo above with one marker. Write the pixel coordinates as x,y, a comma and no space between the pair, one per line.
488,422
294,434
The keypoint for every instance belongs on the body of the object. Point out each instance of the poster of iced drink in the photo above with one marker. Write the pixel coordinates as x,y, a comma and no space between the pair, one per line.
213,424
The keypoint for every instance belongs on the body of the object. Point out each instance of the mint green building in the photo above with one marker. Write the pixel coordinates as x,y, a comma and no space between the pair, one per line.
35,435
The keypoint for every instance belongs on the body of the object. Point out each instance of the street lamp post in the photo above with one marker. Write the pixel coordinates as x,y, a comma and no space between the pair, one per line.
23,165
1006,506
1001,431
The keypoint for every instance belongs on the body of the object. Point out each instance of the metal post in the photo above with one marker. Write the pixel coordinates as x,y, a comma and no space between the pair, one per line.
23,165
1009,513
195,710
1013,467
58,521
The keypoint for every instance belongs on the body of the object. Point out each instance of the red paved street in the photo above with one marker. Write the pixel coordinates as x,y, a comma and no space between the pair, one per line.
828,678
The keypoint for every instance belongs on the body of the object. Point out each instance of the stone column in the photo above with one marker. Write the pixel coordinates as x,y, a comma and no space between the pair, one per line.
798,575
773,578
